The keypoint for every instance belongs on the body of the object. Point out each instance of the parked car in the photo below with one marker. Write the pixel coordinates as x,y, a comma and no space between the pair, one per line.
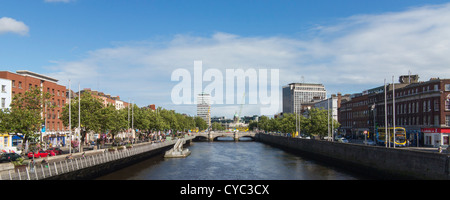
369,142
8,157
38,154
54,151
342,140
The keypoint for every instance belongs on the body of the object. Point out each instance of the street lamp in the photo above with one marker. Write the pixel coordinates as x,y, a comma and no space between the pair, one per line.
70,121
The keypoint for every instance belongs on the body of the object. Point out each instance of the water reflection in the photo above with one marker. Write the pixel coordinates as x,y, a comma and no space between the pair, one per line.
229,160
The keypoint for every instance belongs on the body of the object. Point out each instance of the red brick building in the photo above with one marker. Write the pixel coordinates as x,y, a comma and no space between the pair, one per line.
106,99
24,80
422,108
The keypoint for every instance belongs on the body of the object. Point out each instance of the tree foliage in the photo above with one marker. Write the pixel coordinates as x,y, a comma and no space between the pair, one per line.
90,112
216,126
25,117
315,124
100,119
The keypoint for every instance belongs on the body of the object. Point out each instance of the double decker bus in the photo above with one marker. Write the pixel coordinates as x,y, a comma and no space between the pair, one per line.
400,136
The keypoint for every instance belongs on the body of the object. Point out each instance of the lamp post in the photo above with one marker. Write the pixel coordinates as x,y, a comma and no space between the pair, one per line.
70,121
385,116
79,118
374,123
393,107
328,117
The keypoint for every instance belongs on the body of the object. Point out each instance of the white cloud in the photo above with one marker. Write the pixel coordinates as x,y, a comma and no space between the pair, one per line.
352,55
10,25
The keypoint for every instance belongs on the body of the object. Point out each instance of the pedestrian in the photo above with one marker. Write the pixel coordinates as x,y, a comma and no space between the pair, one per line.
32,163
45,163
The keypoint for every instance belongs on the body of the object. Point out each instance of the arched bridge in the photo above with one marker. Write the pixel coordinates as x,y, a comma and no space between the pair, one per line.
213,135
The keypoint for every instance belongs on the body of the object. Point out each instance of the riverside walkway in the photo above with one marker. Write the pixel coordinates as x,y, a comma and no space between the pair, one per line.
58,165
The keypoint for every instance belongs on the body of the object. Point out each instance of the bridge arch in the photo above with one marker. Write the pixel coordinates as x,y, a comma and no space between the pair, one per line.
213,136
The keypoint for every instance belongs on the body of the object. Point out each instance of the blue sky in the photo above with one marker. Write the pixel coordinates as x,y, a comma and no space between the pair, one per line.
130,47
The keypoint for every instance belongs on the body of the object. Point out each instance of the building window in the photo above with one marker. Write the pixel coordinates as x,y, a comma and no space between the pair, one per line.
4,88
447,105
447,120
3,102
447,87
20,85
436,105
13,83
436,120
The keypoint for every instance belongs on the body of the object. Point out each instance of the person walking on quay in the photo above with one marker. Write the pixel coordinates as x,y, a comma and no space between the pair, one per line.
32,164
45,163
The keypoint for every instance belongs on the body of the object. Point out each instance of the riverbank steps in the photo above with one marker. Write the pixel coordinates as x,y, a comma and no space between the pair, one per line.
377,161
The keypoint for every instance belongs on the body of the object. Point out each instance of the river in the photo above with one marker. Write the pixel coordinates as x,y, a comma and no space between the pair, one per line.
229,160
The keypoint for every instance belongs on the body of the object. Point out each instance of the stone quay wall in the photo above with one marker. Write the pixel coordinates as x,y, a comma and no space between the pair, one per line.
96,163
146,151
377,161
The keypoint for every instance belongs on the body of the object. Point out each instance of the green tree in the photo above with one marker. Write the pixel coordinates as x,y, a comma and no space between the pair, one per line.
25,114
4,121
216,126
263,123
90,114
111,121
156,121
317,123
200,123
169,118
287,123
252,125
142,117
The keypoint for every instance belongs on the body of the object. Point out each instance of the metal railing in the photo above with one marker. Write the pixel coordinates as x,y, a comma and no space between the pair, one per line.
43,171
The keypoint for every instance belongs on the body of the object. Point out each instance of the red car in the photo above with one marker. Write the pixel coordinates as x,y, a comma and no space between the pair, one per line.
39,154
54,151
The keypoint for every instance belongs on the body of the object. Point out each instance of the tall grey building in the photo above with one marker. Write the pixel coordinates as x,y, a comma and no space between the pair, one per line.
297,95
204,107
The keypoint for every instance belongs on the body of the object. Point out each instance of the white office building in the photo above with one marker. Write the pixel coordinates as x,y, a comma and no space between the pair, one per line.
5,93
329,104
204,107
298,95
6,140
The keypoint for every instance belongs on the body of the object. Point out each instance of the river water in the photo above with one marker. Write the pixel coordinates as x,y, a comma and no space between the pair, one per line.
229,160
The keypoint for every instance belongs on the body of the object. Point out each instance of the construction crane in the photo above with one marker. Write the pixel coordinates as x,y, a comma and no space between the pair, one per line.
240,110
